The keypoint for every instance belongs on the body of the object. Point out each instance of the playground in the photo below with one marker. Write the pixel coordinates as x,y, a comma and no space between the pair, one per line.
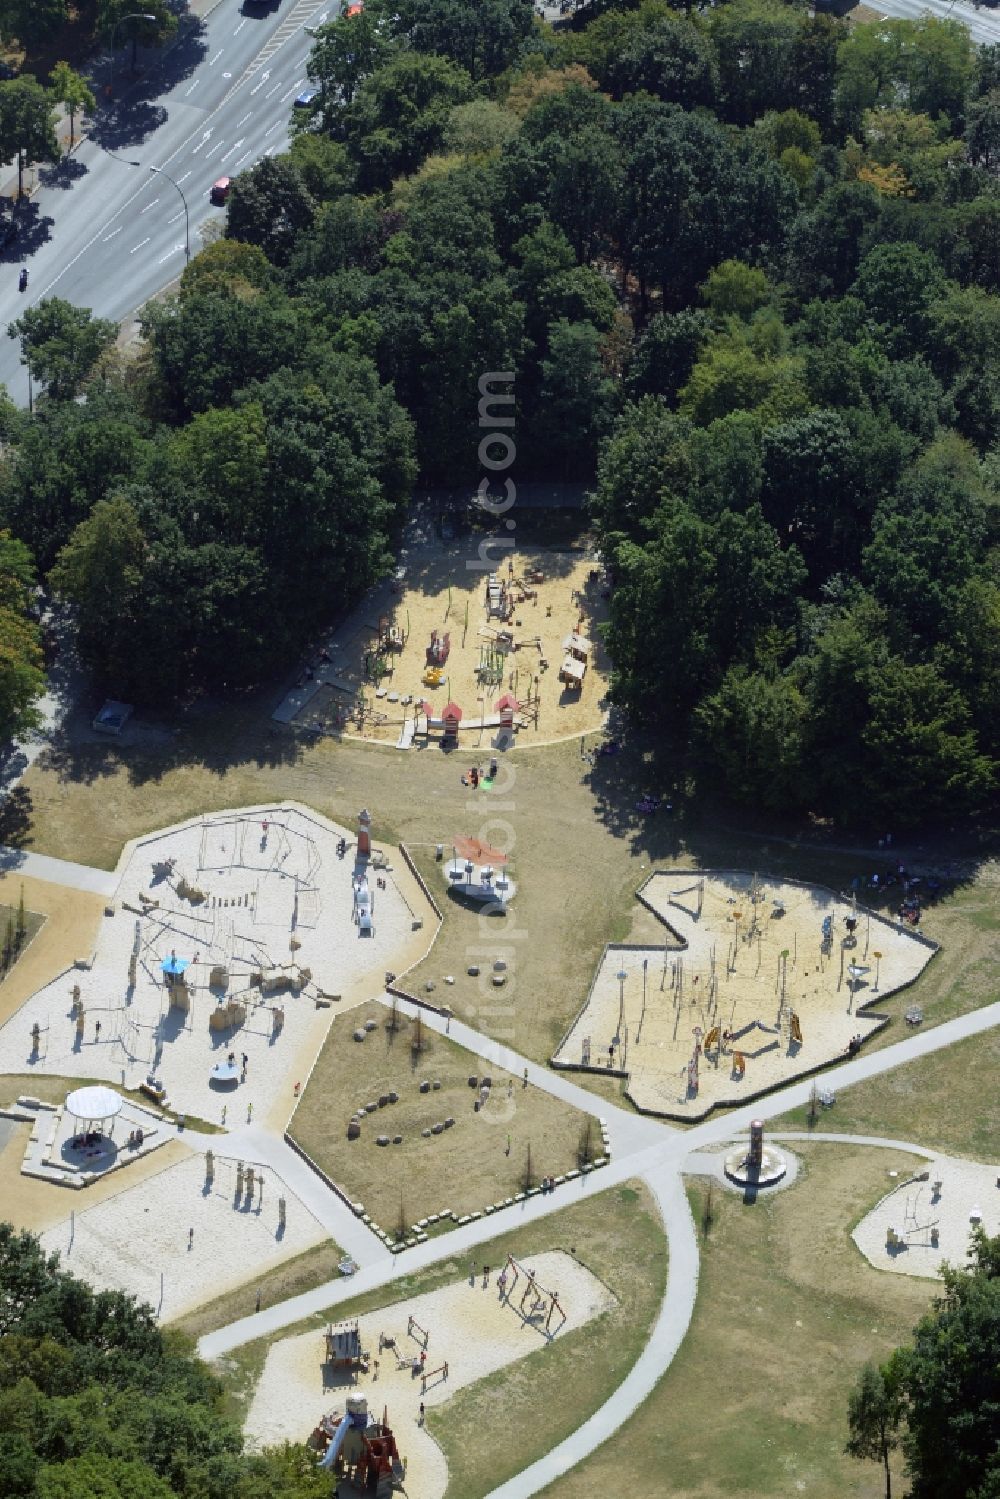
218,967
757,981
425,1349
514,650
927,1216
186,1235
396,1122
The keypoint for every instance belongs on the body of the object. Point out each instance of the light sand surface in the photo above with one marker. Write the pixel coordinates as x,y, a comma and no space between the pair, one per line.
731,974
441,593
914,1207
126,1242
274,899
470,1328
72,920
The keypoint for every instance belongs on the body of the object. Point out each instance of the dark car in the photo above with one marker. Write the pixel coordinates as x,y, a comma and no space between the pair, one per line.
306,99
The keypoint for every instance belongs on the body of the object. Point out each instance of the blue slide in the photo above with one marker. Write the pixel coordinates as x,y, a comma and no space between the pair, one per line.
330,1455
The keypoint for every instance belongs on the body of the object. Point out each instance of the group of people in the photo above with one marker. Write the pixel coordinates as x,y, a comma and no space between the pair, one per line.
474,775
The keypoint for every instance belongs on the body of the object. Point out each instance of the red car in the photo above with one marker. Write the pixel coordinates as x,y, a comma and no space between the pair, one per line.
220,189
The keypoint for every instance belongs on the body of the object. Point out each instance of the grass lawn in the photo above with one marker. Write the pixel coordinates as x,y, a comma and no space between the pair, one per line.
460,1170
295,1276
947,1101
546,1396
788,1310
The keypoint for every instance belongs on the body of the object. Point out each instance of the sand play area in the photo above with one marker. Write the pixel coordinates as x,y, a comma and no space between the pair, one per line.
128,1242
758,981
927,1218
233,940
470,1327
383,652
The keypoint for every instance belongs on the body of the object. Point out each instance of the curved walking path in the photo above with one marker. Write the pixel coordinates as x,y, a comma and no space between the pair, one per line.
647,1149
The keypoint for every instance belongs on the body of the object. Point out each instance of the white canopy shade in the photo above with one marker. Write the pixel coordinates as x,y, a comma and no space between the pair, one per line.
94,1103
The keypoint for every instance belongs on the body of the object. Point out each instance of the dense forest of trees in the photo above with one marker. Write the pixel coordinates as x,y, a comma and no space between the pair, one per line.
745,262
96,1400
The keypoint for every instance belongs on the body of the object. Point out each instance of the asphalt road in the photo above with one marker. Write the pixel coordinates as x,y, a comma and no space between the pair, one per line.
983,23
106,235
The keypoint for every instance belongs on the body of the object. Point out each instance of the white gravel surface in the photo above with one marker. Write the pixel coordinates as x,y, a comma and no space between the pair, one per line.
263,892
912,1207
127,1242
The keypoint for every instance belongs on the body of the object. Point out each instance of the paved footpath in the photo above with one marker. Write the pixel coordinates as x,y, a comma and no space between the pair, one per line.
57,871
654,1153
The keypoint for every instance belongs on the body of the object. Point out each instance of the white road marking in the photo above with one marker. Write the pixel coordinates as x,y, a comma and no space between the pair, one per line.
240,26
273,91
169,253
215,59
176,216
149,206
191,89
184,178
140,244
271,128
112,234
205,138
243,121
263,79
291,91
236,147
245,157
217,147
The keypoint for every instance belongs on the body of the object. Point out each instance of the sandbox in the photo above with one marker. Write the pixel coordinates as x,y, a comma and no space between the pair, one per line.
927,1218
128,1242
381,654
469,1327
757,982
232,941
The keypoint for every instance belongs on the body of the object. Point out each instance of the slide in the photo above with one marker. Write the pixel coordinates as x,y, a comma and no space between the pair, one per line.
330,1455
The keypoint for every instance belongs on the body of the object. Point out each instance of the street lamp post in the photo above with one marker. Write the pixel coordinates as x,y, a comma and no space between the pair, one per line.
187,219
135,15
159,172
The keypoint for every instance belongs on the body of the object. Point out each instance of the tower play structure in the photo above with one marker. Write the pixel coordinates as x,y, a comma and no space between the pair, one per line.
361,1450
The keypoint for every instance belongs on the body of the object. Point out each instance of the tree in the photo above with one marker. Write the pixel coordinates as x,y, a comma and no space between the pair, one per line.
32,21
345,51
949,1378
323,164
897,284
137,28
27,125
60,344
663,54
751,734
400,113
874,1414
73,92
733,289
479,127
484,38
100,571
270,206
577,399
22,680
